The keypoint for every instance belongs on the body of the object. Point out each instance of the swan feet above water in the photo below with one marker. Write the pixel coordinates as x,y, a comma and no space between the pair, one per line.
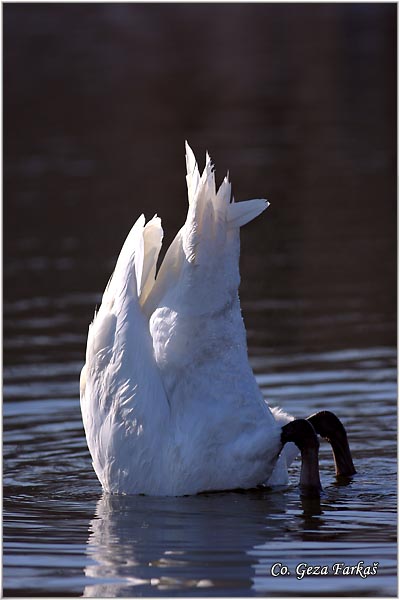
169,401
304,433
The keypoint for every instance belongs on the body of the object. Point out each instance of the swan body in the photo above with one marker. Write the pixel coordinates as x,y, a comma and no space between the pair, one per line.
169,401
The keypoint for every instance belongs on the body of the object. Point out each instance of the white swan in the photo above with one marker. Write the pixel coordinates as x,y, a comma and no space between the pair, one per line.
169,402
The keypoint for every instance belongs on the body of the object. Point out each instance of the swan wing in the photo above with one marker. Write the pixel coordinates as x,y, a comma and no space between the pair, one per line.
123,402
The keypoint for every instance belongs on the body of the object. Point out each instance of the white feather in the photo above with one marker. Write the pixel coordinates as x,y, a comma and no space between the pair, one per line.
170,404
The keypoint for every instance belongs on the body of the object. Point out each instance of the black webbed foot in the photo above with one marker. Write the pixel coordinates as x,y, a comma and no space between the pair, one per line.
302,433
328,426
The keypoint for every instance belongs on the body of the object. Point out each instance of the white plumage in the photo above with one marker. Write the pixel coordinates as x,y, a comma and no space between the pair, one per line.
169,402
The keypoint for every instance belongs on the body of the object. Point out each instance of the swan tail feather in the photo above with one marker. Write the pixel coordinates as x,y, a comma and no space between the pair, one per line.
193,175
240,213
212,213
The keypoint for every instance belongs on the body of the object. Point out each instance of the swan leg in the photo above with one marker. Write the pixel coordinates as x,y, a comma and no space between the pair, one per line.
302,433
328,426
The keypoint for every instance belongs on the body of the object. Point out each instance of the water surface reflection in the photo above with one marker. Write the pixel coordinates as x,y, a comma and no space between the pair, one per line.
224,544
174,544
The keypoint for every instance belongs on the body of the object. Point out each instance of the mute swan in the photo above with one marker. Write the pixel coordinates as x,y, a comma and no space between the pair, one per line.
169,402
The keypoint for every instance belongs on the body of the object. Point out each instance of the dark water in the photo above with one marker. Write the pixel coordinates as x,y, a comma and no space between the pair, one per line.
299,102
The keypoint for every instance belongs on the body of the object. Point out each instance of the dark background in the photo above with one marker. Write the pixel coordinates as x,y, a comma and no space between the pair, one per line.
297,101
